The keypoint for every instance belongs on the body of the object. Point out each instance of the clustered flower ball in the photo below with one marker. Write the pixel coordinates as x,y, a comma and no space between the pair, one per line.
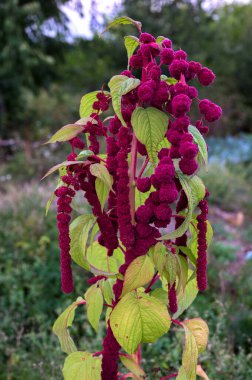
175,97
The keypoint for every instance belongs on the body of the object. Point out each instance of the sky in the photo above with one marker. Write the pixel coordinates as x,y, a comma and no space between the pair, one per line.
81,26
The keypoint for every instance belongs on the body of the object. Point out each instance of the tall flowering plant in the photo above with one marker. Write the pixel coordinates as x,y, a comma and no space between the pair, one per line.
145,239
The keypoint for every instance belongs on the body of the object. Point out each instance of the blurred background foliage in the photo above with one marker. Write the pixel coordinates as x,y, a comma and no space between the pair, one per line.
44,71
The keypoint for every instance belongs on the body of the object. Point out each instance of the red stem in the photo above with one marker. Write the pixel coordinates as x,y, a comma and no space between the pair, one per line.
99,158
97,353
176,322
169,376
143,167
107,305
121,248
154,279
139,354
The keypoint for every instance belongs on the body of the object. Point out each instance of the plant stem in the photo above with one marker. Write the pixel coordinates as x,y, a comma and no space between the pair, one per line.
121,248
154,279
176,322
169,376
99,158
97,353
143,167
132,175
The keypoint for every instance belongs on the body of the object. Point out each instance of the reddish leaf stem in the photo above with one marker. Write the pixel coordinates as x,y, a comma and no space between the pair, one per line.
176,322
98,158
169,376
143,167
154,279
97,353
121,248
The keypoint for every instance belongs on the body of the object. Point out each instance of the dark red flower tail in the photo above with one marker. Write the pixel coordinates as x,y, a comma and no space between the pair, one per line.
64,209
202,246
110,356
172,296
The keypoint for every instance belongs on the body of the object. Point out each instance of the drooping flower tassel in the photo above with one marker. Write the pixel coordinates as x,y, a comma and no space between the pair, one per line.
202,246
64,209
172,297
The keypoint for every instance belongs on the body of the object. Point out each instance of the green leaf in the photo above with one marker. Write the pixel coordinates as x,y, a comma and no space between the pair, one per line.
163,144
100,171
160,39
196,336
86,104
64,165
158,256
129,85
200,331
193,241
103,182
171,267
66,133
165,262
79,232
168,80
187,251
186,297
150,126
120,85
48,203
181,374
102,191
161,295
138,318
195,192
171,81
82,366
138,273
101,263
94,304
183,272
131,43
62,171
124,20
190,354
84,154
107,289
200,141
94,232
140,197
132,366
65,320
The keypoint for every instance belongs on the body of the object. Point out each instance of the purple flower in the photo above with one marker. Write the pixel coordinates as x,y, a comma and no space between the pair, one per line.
180,105
166,43
188,166
145,91
167,56
178,67
206,76
194,67
180,54
143,184
146,38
